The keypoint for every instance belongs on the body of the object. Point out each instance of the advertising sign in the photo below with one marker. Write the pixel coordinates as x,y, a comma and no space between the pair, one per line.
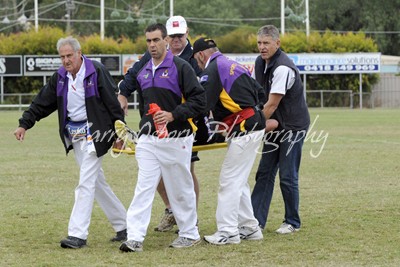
324,63
46,65
10,65
111,62
337,63
247,60
128,61
307,63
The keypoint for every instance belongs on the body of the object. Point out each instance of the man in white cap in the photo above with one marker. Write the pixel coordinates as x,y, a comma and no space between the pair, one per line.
179,45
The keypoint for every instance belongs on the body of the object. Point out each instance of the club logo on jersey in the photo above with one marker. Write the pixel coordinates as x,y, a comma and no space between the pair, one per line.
232,70
204,78
165,74
90,83
146,75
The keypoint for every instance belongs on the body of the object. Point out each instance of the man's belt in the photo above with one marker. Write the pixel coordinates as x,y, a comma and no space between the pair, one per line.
238,117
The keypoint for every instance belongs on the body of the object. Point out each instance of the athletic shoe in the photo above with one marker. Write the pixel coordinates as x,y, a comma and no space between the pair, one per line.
286,228
72,242
184,242
247,233
197,224
131,246
120,236
222,238
167,222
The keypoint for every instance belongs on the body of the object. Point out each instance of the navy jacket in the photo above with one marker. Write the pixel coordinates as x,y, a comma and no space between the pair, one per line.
292,112
175,88
128,85
102,105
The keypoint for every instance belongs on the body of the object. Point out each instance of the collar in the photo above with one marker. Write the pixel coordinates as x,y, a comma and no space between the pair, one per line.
180,53
81,73
167,62
214,55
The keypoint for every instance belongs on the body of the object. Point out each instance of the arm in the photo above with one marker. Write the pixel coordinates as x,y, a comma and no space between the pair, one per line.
210,81
42,106
272,104
193,94
128,85
283,79
107,88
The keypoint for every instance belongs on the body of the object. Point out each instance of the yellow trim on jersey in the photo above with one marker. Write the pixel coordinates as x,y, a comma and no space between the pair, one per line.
194,127
190,120
228,102
242,129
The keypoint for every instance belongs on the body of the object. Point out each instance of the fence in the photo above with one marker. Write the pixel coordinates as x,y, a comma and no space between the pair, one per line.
386,93
20,101
315,99
329,98
13,101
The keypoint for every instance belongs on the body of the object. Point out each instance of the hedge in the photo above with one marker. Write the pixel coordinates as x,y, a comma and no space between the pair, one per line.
240,40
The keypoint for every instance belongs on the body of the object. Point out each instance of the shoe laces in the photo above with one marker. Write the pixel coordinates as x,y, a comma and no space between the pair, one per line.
135,244
183,241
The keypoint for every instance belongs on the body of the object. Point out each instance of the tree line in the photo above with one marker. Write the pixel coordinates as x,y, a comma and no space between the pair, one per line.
378,19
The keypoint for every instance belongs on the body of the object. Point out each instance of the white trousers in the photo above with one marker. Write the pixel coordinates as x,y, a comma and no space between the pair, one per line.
169,157
234,207
92,185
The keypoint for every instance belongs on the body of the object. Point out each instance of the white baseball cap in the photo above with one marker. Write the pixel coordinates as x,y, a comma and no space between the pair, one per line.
176,25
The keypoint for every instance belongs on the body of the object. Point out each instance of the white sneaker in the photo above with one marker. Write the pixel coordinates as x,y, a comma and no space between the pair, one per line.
222,238
247,233
286,228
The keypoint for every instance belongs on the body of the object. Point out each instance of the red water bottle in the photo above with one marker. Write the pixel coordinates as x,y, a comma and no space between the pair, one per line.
161,128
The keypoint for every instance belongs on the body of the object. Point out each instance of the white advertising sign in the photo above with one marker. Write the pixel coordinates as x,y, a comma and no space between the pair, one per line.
337,63
324,63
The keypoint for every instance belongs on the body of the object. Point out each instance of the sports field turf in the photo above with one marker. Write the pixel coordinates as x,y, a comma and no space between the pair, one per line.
349,199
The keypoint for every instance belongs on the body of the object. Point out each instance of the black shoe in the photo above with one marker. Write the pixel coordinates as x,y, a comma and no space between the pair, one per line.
120,236
73,242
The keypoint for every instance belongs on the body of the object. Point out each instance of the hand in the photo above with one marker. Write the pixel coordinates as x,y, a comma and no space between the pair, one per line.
20,133
163,117
271,124
123,101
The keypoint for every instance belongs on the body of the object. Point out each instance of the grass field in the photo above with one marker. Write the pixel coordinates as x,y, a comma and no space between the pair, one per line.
349,198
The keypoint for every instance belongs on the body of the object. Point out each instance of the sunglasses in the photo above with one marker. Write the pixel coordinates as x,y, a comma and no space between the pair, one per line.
176,35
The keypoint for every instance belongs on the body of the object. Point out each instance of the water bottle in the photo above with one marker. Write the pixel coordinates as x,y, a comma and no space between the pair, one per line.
161,128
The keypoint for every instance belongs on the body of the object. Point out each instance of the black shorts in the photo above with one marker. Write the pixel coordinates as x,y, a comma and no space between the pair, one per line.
195,156
201,135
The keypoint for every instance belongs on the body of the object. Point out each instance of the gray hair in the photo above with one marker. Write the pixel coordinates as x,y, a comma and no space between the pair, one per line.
269,30
73,42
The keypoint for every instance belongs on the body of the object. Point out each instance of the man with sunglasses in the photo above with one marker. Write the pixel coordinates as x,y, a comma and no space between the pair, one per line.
179,45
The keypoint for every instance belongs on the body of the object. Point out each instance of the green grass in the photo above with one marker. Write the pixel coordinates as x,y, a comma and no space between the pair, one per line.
349,195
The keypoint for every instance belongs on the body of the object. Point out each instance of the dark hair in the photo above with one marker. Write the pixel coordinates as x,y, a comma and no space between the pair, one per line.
157,26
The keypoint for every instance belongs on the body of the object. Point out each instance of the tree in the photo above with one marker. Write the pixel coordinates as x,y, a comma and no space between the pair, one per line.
377,18
382,17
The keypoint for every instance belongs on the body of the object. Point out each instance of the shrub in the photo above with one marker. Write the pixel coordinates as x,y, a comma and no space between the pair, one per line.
240,40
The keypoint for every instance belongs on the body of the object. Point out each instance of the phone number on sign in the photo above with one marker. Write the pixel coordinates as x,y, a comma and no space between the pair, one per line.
339,67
